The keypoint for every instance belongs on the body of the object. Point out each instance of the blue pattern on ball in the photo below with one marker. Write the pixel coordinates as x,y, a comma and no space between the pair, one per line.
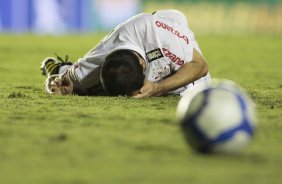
202,142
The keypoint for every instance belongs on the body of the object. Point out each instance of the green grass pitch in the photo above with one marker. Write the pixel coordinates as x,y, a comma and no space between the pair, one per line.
84,140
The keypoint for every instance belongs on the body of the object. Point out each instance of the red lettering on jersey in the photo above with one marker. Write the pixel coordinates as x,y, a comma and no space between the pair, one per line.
173,57
186,39
158,23
170,29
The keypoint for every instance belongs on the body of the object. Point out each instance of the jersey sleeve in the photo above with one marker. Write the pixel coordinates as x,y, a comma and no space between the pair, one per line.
84,75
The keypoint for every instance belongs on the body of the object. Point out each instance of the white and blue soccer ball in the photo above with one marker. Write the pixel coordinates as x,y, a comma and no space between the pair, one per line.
217,118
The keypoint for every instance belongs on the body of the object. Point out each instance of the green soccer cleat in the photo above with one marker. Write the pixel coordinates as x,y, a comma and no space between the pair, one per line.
50,65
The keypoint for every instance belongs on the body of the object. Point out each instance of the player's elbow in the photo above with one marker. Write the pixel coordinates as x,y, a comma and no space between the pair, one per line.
205,69
201,62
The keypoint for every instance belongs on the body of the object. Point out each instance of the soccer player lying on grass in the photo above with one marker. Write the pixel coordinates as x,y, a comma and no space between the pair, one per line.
148,55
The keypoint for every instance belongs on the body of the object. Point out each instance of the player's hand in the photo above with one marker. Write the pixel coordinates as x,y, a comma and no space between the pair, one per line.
149,89
59,84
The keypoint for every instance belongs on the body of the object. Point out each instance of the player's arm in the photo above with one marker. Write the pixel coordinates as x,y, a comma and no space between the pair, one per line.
188,73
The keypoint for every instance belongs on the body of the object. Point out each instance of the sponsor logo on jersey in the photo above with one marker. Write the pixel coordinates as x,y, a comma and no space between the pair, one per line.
173,31
154,54
174,58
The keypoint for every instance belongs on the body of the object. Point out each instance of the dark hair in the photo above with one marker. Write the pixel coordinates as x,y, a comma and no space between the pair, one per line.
121,73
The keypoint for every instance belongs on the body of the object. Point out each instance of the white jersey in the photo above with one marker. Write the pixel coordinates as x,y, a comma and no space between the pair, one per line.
163,39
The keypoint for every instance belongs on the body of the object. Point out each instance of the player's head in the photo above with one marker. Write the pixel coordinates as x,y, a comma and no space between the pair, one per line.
122,73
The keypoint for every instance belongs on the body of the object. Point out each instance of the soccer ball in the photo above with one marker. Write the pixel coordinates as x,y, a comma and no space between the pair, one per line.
218,118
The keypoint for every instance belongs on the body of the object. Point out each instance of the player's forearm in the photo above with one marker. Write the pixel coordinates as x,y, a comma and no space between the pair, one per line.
188,73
